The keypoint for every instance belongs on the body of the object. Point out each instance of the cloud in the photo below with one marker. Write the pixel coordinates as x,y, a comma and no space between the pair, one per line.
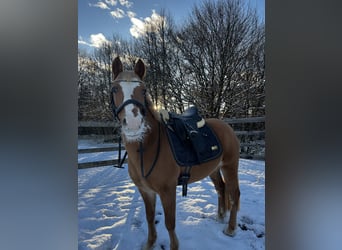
104,4
118,13
149,24
100,5
126,3
96,40
131,14
137,28
81,41
111,2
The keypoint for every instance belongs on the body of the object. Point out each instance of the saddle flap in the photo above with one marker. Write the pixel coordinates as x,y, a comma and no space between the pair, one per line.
180,129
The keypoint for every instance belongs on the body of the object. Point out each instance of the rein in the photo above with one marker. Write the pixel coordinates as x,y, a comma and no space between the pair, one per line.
141,151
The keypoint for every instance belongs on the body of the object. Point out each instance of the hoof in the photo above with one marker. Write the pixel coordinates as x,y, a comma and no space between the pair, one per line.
220,219
148,247
229,232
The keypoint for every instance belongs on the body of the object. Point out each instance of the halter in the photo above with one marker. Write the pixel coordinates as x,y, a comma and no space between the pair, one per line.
143,108
117,110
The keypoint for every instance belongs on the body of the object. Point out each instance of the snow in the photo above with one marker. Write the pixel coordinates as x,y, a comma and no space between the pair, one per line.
111,212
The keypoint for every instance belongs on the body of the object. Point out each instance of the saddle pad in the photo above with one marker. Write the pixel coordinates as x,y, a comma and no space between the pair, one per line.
202,148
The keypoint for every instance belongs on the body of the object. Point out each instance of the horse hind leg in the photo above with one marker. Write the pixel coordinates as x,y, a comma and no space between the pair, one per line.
232,195
216,178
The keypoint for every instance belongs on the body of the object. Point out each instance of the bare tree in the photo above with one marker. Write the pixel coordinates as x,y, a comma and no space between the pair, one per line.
87,71
214,44
156,48
95,78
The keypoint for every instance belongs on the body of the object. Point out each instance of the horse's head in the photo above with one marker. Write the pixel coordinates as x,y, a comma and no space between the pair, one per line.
129,99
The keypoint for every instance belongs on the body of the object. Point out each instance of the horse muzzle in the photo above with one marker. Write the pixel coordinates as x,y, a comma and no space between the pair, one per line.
132,120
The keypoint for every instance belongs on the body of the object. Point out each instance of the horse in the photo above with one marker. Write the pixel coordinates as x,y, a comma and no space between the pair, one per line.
151,164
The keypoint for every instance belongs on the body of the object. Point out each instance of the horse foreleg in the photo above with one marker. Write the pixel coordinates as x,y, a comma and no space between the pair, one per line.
216,178
168,199
150,208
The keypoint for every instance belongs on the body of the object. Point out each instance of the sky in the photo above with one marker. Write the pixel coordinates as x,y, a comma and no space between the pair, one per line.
99,20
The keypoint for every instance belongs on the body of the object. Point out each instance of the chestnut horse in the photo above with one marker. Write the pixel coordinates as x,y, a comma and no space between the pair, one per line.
151,164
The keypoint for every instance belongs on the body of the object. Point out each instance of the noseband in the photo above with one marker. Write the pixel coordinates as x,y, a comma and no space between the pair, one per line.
116,110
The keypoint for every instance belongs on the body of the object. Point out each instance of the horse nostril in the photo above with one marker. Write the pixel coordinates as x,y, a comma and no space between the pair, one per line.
135,111
124,122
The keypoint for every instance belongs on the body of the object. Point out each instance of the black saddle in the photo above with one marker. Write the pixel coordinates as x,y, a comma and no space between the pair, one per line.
192,141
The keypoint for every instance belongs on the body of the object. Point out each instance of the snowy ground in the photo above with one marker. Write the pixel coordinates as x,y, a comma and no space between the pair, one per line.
112,216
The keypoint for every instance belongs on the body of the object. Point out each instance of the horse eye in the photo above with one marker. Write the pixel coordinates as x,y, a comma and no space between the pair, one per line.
115,89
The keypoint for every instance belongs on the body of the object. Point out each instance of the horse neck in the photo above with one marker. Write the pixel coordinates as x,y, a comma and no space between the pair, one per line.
152,133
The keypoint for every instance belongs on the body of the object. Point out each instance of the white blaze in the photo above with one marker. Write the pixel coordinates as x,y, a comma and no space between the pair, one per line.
128,91
135,128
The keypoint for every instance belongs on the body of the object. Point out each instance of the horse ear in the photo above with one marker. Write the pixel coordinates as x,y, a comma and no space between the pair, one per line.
140,69
117,67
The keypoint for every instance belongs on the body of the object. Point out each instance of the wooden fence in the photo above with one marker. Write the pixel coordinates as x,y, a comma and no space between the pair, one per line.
98,163
250,131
